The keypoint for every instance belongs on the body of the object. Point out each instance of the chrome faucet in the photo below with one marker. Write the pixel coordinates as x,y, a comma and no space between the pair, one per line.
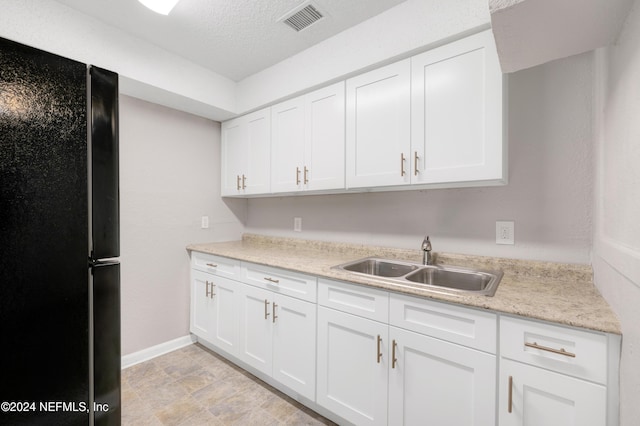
427,259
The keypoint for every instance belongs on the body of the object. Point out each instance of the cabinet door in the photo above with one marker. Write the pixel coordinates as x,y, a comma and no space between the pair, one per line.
224,328
352,367
258,174
378,127
287,146
324,138
234,147
294,344
433,382
542,397
201,304
457,132
256,312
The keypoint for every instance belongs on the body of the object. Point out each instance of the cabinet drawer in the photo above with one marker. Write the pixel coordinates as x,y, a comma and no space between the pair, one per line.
468,327
280,281
568,351
216,265
354,299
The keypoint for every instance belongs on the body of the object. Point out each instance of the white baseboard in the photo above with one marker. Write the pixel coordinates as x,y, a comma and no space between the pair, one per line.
157,350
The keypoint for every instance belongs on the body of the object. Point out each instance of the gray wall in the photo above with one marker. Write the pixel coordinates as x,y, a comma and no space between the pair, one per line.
169,178
549,195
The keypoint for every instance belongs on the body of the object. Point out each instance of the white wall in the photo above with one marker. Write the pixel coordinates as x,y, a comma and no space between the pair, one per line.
549,195
169,178
616,249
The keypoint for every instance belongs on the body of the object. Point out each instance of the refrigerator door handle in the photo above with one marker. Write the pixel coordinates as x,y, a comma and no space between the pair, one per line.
105,351
104,164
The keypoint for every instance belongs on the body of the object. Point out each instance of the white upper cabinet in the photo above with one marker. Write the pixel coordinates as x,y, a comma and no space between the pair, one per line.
457,113
287,148
324,138
378,127
246,147
433,120
307,151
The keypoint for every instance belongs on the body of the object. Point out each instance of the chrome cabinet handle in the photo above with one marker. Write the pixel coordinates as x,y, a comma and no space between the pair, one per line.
238,182
271,280
212,265
394,361
510,404
379,354
266,309
297,175
402,164
415,163
306,175
244,185
208,293
560,351
275,305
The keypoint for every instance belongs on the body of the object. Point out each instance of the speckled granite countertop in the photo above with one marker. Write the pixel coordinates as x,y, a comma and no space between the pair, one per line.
556,292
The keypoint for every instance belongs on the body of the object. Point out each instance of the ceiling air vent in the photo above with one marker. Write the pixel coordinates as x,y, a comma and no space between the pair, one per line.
302,16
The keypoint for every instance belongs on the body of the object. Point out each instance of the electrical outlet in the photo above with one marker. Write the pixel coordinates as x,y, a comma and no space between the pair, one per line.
297,224
505,232
204,222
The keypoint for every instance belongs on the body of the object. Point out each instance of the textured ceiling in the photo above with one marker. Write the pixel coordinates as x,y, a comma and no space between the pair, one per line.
234,38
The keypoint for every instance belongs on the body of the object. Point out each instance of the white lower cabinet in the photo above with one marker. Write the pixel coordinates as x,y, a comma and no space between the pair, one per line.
352,367
294,345
255,328
373,373
214,306
277,337
433,382
537,397
372,357
555,375
201,305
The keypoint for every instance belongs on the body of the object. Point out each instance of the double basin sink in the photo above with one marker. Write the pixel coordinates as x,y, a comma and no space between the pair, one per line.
437,278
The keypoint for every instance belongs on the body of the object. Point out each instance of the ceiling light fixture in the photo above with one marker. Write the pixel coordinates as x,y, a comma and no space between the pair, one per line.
160,6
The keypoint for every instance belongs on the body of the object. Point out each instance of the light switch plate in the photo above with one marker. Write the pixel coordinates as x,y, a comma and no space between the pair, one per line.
505,232
204,222
297,224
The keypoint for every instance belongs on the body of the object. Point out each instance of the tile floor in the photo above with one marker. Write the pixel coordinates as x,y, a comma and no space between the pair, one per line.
194,386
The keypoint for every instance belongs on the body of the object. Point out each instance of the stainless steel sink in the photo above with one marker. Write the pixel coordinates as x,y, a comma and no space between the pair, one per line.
380,267
437,278
452,278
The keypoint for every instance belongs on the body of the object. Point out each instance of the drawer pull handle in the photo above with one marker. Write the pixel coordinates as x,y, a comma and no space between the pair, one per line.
394,361
275,305
266,309
510,405
271,280
379,354
212,265
560,351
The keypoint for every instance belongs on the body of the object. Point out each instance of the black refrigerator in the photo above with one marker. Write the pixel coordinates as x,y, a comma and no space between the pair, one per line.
59,241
